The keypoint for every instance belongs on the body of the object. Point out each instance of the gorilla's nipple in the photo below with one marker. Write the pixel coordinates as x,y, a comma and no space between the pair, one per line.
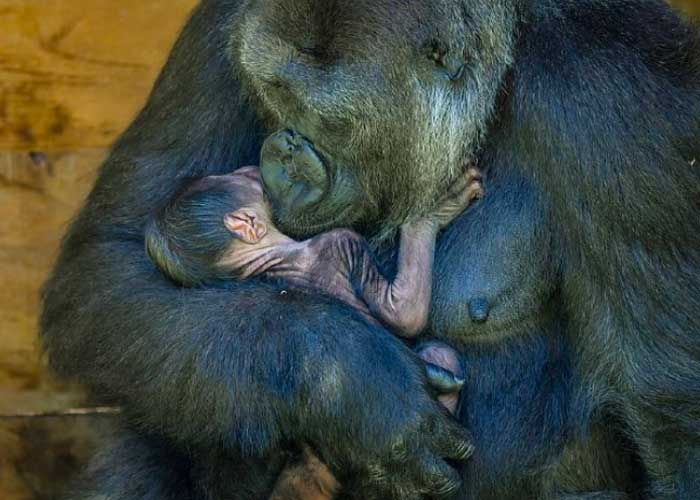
479,310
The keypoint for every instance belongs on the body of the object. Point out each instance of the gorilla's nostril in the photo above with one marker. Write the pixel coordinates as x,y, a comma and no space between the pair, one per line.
479,310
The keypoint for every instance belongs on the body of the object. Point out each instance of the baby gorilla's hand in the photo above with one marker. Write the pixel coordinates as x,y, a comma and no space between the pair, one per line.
467,188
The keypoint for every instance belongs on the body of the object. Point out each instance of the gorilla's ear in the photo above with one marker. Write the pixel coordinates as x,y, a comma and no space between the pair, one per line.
246,225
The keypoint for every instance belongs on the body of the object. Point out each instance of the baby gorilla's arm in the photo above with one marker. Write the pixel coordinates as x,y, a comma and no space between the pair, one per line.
404,303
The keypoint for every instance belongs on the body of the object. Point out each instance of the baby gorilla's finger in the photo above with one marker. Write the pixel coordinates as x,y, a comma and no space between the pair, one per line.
474,191
457,188
467,188
475,187
443,380
473,174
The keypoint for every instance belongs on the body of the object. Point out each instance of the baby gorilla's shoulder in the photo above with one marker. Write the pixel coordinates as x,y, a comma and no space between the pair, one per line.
342,242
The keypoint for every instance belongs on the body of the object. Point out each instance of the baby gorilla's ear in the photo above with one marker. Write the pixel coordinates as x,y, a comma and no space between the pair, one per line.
246,225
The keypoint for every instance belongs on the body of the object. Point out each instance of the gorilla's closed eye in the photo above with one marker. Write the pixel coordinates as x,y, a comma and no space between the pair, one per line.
317,54
439,53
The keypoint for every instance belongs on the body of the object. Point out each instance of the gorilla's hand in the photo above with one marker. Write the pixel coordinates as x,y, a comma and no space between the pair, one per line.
238,366
382,431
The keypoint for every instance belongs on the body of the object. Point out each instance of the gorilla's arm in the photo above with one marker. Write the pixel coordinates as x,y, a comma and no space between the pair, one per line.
244,366
241,366
607,105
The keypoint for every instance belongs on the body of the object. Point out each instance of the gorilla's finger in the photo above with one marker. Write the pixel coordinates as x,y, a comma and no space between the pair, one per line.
452,441
439,479
376,472
403,492
443,381
396,486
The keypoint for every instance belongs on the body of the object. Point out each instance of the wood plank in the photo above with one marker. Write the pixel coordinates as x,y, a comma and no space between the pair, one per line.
38,457
691,7
73,73
38,196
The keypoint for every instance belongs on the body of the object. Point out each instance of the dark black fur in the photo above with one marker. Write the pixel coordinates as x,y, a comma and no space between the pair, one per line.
584,381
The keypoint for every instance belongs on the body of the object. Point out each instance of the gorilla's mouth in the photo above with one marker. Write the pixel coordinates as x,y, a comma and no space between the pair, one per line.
292,170
308,192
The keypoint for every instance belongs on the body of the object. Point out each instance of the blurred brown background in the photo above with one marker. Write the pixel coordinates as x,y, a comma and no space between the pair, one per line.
72,75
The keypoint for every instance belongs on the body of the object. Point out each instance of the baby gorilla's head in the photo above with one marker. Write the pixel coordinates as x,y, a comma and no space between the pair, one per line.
189,238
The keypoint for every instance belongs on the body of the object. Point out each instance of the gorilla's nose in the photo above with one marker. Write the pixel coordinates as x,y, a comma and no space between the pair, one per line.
479,310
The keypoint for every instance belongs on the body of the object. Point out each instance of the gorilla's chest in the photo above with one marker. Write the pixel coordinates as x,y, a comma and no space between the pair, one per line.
494,275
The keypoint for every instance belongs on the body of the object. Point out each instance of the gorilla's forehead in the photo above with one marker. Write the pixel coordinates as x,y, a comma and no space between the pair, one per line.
344,25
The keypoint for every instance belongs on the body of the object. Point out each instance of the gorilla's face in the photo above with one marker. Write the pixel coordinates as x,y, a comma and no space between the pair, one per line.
394,94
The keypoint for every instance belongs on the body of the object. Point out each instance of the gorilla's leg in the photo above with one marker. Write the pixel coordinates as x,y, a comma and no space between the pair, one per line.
134,468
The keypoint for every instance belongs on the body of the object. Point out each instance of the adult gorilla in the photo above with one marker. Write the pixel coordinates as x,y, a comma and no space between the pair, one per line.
576,301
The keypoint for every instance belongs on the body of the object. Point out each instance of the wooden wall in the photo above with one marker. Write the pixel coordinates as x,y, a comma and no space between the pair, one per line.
72,75
692,7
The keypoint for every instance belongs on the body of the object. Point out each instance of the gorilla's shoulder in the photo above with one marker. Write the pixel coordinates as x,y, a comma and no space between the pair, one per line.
631,35
601,74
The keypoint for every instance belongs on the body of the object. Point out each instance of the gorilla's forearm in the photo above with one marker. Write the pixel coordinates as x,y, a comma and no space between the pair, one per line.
241,367
186,361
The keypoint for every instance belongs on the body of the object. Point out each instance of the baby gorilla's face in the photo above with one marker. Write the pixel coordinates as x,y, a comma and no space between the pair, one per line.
308,194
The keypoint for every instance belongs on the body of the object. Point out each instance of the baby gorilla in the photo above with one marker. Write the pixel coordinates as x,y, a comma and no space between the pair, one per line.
221,228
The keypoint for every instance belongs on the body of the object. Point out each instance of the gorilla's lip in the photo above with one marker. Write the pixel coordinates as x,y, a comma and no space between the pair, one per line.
306,227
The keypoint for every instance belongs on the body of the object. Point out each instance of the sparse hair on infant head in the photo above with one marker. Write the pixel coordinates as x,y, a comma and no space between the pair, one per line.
190,236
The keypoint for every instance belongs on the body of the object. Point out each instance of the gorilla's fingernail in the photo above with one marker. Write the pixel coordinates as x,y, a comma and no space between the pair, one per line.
479,310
